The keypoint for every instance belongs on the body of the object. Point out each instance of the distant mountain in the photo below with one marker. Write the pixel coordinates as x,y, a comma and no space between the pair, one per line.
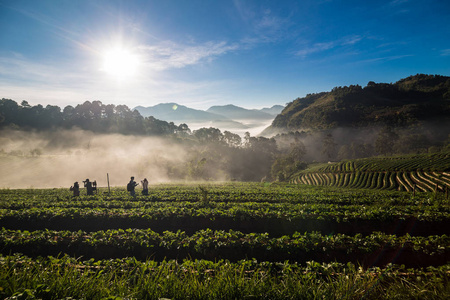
238,113
411,101
228,117
274,110
173,112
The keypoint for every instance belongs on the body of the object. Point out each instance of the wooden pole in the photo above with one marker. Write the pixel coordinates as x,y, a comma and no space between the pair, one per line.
109,189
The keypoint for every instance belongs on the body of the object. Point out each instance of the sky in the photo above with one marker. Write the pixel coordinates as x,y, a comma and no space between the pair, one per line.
253,53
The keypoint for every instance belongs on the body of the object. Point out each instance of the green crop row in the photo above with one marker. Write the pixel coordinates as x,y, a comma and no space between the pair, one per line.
422,210
429,162
402,181
226,193
230,244
234,192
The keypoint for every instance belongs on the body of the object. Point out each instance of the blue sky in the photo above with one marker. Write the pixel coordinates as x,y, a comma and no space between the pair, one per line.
252,54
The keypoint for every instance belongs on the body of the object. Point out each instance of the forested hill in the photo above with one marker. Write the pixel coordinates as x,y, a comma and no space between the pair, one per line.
93,116
410,101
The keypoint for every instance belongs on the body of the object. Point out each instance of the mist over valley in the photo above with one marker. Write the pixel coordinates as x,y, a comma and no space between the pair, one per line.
49,146
226,118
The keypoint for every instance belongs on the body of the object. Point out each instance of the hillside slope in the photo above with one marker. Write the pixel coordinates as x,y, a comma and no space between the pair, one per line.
410,101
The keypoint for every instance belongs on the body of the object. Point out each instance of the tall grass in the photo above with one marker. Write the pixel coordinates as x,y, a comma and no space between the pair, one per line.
53,278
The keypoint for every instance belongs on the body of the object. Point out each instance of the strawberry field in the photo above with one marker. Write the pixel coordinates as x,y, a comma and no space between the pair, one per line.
224,241
421,173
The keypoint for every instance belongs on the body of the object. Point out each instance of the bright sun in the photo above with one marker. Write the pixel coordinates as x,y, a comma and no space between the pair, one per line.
120,62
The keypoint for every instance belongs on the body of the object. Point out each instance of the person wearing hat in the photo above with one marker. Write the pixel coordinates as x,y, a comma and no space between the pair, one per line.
88,186
75,189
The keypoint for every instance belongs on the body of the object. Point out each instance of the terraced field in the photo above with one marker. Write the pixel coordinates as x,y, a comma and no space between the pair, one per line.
422,173
224,241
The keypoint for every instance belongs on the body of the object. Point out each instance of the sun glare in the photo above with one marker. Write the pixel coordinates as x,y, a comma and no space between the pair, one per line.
120,63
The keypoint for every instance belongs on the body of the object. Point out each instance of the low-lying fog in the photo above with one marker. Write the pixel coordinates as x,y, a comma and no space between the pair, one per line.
64,157
254,127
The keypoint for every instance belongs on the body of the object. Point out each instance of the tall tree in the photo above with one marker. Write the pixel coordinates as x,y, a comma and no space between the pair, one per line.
385,141
329,147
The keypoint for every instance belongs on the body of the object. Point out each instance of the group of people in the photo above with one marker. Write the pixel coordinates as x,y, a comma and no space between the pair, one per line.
92,186
133,184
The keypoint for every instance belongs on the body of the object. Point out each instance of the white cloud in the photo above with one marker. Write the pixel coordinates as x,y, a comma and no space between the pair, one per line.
52,83
320,47
397,2
386,58
264,25
169,55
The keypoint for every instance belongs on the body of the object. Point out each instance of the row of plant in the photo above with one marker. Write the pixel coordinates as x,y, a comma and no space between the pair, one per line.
18,199
434,209
375,249
70,278
237,193
402,181
425,162
234,192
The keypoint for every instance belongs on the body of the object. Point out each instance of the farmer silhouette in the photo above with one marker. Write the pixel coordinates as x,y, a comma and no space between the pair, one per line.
131,185
88,186
75,189
144,186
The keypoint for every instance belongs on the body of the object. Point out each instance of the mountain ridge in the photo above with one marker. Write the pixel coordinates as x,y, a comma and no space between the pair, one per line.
239,113
226,117
408,102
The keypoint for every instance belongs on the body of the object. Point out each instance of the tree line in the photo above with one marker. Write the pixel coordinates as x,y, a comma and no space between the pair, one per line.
214,154
94,116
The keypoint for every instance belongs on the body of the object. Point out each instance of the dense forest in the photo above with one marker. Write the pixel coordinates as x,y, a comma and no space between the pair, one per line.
94,116
411,101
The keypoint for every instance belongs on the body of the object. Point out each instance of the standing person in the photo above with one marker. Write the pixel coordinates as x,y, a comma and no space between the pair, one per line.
75,189
88,186
144,186
131,185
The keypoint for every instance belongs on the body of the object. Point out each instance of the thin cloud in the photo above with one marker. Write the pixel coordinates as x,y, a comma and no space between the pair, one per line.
445,52
52,83
18,67
386,58
397,2
270,27
397,7
320,47
170,55
351,40
265,26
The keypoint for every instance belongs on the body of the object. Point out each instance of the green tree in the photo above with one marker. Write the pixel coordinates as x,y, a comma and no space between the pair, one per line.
232,139
385,141
286,165
208,135
329,147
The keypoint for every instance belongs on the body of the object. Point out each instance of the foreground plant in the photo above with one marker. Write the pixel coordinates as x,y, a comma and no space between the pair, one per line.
60,278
